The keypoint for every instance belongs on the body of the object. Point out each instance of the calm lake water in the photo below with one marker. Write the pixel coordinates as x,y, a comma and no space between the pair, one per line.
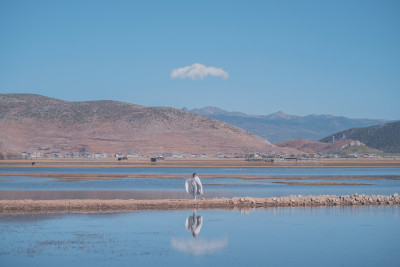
21,187
330,236
327,236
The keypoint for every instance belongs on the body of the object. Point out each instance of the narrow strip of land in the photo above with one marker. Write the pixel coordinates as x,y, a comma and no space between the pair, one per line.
321,183
206,163
107,176
118,205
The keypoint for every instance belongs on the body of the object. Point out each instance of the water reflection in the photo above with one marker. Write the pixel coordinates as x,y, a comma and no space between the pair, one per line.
197,246
193,223
329,236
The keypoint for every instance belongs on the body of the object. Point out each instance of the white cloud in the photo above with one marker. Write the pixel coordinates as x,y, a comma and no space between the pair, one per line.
198,71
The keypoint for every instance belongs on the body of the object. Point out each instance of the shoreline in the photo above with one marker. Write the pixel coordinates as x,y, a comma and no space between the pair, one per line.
205,163
113,176
120,205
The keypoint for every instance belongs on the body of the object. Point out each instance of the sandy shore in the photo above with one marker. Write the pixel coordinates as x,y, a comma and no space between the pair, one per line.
118,205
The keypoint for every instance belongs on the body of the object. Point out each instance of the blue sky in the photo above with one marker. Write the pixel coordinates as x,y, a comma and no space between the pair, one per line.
300,57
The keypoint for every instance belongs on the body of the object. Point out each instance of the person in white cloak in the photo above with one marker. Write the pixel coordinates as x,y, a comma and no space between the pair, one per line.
193,186
193,224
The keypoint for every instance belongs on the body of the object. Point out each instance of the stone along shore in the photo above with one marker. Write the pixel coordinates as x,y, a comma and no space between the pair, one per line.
115,205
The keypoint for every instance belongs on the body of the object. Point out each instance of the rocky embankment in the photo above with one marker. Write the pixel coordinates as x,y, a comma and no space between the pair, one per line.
95,205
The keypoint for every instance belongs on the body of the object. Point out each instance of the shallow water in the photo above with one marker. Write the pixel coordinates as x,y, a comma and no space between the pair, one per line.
166,190
329,236
21,187
245,171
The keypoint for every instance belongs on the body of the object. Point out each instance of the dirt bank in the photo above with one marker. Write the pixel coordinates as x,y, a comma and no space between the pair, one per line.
320,183
115,205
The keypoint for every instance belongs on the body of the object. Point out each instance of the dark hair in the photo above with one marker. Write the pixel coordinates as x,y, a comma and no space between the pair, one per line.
194,174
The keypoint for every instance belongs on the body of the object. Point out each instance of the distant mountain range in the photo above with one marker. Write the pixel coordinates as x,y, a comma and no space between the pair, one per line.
384,137
34,123
279,127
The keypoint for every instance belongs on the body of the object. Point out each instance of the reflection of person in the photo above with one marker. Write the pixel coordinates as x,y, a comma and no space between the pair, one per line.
193,223
193,186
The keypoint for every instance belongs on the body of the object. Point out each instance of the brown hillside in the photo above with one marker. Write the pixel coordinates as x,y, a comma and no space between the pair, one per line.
308,146
40,124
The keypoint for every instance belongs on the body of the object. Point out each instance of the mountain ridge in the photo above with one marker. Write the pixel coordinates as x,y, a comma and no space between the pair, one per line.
211,110
279,126
342,147
38,123
384,137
